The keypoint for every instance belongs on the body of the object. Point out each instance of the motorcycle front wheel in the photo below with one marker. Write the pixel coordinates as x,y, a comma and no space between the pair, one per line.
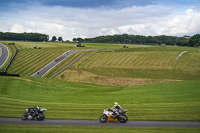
24,117
103,118
40,117
123,119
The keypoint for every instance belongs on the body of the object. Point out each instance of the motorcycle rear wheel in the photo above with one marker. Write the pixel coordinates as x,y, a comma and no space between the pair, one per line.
123,119
103,118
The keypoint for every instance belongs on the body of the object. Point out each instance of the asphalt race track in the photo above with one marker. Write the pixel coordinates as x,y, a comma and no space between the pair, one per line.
4,54
97,123
55,62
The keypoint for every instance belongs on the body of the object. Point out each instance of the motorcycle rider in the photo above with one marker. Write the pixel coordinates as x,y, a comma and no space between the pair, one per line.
34,110
116,109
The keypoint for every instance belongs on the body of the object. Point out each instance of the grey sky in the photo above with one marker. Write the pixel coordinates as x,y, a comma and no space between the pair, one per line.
87,18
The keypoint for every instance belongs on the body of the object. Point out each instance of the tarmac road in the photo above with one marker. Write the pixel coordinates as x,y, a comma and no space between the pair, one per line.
4,54
97,123
55,62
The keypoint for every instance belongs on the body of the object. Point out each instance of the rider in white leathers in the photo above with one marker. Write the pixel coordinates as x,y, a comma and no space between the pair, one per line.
116,108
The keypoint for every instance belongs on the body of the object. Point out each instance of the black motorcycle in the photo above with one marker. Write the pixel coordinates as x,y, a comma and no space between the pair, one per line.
35,112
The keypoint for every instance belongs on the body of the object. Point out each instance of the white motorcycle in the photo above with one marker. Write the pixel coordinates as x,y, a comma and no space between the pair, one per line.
108,116
35,112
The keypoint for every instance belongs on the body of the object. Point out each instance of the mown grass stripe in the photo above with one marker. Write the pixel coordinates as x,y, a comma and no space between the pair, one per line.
34,58
43,61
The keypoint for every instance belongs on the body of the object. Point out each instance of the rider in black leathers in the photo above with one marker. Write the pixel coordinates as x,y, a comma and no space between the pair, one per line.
34,110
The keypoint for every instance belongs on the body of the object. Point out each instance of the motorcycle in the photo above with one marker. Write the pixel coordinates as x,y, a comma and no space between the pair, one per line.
32,113
108,116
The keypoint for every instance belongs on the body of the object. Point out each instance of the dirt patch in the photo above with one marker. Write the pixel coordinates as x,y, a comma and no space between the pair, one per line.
82,76
123,81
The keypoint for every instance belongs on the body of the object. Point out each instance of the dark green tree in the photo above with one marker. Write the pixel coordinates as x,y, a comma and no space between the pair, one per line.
60,39
80,40
54,39
67,41
74,39
23,36
194,40
42,38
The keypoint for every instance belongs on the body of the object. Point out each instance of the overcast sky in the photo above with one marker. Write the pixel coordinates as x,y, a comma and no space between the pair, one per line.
90,18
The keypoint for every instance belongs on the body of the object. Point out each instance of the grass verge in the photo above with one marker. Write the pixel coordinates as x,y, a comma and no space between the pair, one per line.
176,101
91,129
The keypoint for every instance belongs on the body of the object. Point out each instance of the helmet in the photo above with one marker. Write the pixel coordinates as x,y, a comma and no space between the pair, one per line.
115,103
37,107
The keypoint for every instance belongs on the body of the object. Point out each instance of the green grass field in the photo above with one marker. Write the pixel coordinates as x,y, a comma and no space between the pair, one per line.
135,62
144,64
166,90
63,64
30,60
84,129
155,63
69,100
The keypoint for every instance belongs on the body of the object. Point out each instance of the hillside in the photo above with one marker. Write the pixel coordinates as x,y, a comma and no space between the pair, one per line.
126,66
30,60
133,66
139,78
71,100
77,59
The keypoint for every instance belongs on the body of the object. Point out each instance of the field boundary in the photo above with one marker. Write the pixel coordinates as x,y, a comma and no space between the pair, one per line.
11,60
6,74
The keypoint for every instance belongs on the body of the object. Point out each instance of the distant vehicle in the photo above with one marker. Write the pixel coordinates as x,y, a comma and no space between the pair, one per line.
125,46
35,112
108,116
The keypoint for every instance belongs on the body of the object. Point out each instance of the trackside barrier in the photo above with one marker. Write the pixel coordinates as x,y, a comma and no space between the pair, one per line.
6,74
78,60
11,61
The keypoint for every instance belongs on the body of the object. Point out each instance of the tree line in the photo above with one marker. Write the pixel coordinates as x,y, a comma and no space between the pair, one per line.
119,39
28,37
54,39
24,36
140,39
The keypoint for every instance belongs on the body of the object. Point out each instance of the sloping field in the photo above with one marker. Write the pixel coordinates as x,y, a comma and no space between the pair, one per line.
115,74
68,100
12,50
26,45
63,64
143,63
29,60
131,60
102,67
43,45
189,64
